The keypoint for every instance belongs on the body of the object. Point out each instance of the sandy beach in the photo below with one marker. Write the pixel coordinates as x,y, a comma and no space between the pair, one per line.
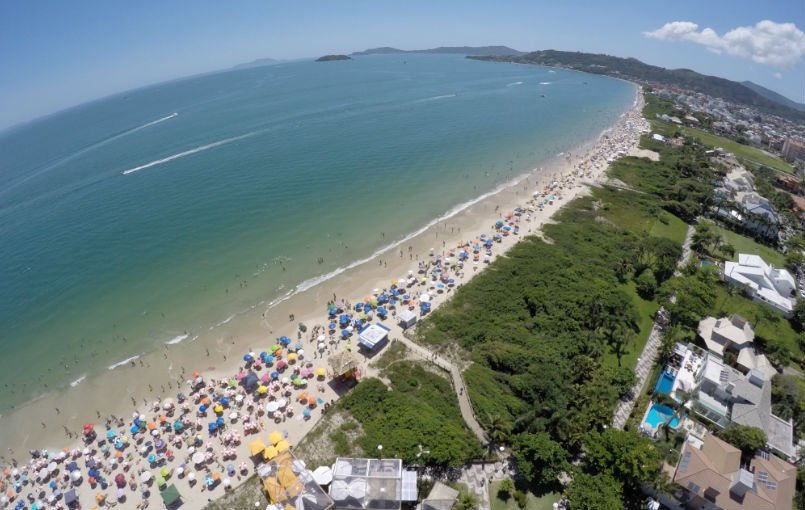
182,443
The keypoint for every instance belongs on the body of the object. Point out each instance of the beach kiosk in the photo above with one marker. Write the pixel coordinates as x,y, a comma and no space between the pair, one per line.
171,497
344,364
407,319
372,335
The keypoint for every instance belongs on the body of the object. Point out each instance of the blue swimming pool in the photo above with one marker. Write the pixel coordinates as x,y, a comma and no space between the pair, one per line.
665,382
659,414
705,262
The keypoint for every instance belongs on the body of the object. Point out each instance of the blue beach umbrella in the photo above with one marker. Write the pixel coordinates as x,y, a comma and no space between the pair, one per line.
110,434
219,422
381,311
247,358
177,425
134,429
298,346
306,412
331,326
224,401
202,408
284,340
344,333
263,355
152,458
275,375
211,426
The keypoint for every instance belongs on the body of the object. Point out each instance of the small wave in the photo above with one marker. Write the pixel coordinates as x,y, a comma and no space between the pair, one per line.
551,71
225,321
317,280
78,381
124,362
545,82
434,98
514,83
175,340
189,152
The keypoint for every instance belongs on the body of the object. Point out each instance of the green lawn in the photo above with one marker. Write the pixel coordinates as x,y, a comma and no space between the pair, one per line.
675,229
777,329
753,154
544,502
743,244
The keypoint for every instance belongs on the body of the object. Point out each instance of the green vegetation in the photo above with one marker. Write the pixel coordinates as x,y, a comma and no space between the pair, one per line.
595,492
747,152
540,459
747,439
743,244
500,499
633,69
788,401
420,407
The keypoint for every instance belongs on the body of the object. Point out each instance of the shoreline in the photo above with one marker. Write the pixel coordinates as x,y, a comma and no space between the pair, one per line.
219,357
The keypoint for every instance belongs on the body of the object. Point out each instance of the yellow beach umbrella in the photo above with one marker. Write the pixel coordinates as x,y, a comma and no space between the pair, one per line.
321,372
283,446
275,437
269,453
292,356
262,390
218,409
256,447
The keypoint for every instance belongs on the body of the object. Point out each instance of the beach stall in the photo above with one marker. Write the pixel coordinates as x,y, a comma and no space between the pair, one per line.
406,318
373,335
344,364
291,486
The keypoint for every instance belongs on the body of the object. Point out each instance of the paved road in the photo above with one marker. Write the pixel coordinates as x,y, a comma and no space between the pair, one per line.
649,354
458,385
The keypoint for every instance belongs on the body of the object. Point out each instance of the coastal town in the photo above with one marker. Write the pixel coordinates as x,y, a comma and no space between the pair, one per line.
363,274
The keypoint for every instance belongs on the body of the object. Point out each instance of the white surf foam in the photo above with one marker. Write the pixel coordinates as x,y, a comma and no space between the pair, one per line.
175,340
514,84
124,362
189,152
312,282
78,381
545,82
225,321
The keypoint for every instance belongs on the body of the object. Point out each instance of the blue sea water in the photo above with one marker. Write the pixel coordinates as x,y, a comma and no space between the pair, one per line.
126,222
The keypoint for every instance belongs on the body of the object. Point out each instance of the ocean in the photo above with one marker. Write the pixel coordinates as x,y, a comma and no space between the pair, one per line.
153,216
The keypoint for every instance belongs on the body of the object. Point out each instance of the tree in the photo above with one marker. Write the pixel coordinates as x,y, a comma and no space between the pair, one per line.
467,501
747,439
646,284
539,458
506,489
628,456
794,259
498,429
788,400
703,237
798,318
594,492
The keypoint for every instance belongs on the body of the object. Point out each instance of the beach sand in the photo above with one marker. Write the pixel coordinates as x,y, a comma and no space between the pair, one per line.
217,354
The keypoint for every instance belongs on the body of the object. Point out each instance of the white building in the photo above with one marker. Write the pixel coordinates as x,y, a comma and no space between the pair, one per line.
762,282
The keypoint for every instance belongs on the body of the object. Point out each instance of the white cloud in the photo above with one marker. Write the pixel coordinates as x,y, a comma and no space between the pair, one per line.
779,76
775,44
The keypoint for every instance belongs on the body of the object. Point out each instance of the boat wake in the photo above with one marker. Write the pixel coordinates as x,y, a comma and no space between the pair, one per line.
189,152
514,84
435,98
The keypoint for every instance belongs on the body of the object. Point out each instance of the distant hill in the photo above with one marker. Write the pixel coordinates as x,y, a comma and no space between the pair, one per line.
458,50
257,63
633,69
330,58
774,96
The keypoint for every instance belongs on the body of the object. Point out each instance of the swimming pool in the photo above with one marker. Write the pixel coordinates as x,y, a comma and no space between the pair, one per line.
659,414
665,382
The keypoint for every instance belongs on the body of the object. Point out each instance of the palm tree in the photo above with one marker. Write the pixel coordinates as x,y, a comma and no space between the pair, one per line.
497,429
467,501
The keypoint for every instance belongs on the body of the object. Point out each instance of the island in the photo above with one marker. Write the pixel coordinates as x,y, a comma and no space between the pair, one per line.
329,58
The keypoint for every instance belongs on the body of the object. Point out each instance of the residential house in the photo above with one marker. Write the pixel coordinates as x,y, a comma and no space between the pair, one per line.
724,395
760,216
734,334
762,282
712,478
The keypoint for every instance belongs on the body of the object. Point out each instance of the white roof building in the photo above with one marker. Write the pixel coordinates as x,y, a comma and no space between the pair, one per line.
739,179
763,282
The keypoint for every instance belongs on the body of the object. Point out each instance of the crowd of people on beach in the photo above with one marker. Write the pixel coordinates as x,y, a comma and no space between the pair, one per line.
198,438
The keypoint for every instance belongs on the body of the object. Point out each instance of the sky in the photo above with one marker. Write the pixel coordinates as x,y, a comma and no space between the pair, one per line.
56,54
